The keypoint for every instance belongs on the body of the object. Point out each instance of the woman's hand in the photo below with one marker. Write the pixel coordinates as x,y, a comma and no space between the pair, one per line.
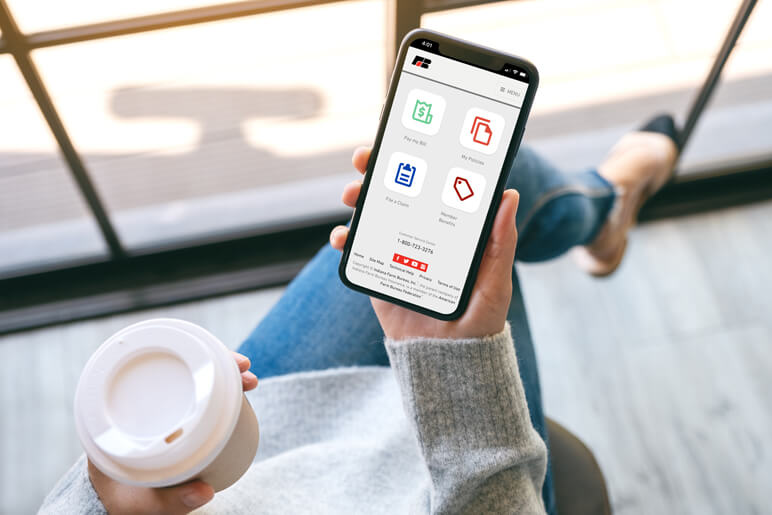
119,498
487,310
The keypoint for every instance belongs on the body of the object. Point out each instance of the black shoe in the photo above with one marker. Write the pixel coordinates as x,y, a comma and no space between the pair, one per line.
663,124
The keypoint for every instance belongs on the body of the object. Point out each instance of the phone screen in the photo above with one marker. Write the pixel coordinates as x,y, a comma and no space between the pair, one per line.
441,155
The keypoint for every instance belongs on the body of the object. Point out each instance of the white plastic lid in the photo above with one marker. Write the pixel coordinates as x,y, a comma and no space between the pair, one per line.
157,402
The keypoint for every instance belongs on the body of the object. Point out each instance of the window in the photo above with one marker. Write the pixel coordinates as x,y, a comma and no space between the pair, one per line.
607,66
43,219
216,128
198,120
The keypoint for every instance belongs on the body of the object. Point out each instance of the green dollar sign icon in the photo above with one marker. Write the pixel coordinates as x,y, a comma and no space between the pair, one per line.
422,112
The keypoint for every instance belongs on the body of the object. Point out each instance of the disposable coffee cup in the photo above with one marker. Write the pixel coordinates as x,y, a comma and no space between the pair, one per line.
160,403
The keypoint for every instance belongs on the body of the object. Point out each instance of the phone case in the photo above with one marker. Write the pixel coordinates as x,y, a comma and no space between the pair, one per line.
481,131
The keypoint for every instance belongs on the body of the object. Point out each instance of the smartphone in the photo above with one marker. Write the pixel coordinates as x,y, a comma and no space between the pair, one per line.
450,129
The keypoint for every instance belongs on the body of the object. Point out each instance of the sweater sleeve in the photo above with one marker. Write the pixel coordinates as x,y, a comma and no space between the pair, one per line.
73,494
466,403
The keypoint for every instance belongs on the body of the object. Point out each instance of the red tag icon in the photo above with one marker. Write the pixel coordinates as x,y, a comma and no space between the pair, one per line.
463,188
410,262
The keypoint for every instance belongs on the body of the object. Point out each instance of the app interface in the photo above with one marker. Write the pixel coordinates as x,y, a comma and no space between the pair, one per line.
440,159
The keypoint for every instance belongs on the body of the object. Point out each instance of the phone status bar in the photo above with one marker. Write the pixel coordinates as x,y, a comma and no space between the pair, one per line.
507,69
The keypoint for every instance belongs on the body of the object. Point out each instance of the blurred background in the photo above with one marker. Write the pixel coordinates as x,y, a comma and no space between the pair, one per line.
186,157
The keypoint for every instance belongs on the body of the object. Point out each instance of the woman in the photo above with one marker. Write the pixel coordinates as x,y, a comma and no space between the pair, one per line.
445,417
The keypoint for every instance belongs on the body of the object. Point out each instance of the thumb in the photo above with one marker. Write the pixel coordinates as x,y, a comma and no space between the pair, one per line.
496,266
185,498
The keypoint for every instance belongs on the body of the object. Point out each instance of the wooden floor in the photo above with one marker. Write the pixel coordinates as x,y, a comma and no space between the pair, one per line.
665,369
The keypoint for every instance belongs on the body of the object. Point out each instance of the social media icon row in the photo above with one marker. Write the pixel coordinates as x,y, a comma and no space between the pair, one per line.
481,130
463,189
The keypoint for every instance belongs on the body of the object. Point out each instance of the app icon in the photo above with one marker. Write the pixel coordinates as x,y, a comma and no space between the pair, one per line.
423,112
482,130
463,190
405,174
422,62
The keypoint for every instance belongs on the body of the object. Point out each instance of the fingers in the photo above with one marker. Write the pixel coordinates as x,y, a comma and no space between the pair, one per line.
242,361
184,498
500,251
503,240
360,157
351,193
338,237
119,498
248,379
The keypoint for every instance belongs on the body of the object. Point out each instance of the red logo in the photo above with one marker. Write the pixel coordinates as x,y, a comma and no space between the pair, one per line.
412,263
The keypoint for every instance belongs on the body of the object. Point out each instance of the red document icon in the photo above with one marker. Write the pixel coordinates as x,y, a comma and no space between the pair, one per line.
412,263
463,188
481,131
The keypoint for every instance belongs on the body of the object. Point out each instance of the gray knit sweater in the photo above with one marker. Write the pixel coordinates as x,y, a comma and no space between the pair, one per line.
445,430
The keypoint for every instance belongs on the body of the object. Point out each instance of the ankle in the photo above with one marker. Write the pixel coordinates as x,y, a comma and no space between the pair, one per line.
636,158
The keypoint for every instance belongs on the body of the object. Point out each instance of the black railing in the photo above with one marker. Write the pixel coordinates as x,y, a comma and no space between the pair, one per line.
711,81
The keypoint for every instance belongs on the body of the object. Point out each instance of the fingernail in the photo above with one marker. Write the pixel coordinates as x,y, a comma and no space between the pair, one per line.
338,231
193,499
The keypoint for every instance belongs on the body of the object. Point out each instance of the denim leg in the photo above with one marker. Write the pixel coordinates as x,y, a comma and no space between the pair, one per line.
557,210
317,324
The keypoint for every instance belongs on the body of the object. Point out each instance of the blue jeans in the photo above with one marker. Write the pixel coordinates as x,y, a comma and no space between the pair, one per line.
319,323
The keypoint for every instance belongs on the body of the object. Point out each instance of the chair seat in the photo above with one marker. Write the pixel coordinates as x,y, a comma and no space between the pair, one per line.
580,488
